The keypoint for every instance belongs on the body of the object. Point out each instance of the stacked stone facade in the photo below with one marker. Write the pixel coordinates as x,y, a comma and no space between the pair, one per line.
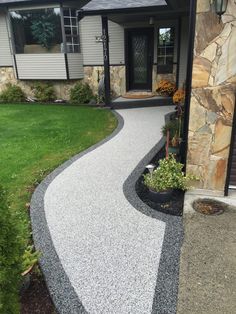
7,75
213,95
92,75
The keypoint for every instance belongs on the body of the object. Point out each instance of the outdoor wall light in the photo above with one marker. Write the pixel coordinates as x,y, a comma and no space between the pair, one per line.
151,20
220,7
150,168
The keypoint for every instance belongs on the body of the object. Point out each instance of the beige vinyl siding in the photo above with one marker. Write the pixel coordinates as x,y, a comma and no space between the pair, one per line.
117,43
183,52
75,65
41,66
5,50
90,27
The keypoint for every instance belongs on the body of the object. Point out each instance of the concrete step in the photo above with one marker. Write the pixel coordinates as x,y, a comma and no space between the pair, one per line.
125,103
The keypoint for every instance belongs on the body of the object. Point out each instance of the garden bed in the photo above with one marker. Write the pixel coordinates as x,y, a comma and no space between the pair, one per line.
36,299
175,204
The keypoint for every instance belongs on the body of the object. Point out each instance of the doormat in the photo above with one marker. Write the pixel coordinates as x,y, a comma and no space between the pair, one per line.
137,96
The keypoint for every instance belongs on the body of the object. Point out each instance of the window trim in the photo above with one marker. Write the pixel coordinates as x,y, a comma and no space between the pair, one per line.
165,68
40,7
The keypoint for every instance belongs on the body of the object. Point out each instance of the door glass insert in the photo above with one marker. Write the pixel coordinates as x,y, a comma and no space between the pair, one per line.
139,54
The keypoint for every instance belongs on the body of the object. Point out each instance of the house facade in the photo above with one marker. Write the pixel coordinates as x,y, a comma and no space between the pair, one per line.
144,47
149,40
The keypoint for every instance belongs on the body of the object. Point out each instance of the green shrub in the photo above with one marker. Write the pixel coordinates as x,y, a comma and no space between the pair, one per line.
12,94
10,258
169,175
30,259
81,93
44,92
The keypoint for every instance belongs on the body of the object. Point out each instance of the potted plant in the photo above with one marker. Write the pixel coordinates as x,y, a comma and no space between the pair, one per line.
165,179
178,100
165,88
171,131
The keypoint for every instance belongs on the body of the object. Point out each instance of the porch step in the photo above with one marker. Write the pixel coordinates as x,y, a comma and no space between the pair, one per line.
125,103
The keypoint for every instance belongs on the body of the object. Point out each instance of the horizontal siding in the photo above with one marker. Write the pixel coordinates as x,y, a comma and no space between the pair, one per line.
117,43
183,52
41,66
92,51
5,51
90,27
75,65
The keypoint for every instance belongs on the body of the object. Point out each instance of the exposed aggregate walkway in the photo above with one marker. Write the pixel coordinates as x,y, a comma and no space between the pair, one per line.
101,254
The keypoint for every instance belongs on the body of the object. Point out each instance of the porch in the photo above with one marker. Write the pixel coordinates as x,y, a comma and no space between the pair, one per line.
152,46
154,101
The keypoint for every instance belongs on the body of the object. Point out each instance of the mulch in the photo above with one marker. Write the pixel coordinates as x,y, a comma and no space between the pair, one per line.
36,299
175,204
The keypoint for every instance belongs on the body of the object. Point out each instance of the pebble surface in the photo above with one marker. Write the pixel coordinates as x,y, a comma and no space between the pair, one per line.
109,250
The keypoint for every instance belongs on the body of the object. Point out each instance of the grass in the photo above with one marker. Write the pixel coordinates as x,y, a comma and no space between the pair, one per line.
35,139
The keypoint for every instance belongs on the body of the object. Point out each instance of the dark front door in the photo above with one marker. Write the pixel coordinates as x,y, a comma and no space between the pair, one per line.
139,58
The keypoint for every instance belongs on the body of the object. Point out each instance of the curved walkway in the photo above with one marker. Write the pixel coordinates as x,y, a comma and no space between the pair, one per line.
103,249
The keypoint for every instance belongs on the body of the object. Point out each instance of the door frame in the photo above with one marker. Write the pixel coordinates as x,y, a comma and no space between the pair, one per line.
150,32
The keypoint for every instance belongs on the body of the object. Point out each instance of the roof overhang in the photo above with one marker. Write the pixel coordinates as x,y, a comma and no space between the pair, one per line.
7,3
171,9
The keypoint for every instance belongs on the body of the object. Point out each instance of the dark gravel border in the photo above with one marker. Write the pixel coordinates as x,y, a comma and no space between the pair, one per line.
63,295
166,292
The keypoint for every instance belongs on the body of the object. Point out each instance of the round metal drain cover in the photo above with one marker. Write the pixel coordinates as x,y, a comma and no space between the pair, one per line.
209,206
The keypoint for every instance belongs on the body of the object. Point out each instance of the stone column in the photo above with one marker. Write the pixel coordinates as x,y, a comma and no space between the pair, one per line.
213,95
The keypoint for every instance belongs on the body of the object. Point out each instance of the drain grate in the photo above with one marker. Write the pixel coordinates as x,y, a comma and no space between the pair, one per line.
208,206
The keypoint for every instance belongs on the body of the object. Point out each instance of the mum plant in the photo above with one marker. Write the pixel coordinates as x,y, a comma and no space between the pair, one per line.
179,96
166,88
168,176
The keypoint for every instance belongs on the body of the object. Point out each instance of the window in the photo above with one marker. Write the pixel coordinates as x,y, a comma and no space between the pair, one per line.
40,30
165,50
37,31
71,30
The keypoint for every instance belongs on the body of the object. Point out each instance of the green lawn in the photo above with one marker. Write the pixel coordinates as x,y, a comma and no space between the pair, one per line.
35,139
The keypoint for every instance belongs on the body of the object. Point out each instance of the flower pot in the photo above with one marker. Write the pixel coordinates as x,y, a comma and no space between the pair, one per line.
160,197
173,150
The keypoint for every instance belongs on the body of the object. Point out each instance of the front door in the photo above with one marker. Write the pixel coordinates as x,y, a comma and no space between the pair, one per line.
139,58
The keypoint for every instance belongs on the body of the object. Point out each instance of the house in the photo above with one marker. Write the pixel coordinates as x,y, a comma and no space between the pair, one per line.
135,44
144,46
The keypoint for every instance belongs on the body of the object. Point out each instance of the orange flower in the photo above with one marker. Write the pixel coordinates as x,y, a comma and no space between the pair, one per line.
179,96
166,87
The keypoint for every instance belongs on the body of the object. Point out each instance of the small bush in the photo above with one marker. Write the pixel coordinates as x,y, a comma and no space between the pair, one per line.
169,175
44,92
12,94
10,258
81,93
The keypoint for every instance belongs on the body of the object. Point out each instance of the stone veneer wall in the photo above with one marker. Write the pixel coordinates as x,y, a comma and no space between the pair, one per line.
213,95
118,83
7,75
157,77
118,78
